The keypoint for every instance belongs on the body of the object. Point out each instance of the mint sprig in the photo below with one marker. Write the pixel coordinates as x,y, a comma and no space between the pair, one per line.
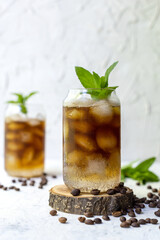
141,172
97,86
21,101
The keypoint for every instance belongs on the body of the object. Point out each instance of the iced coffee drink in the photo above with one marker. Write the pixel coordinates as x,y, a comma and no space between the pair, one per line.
24,141
91,138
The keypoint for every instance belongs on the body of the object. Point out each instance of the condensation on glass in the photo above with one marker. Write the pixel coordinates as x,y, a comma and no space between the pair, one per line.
24,141
91,141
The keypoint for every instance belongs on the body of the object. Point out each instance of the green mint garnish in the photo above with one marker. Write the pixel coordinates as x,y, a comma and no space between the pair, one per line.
21,101
98,85
141,172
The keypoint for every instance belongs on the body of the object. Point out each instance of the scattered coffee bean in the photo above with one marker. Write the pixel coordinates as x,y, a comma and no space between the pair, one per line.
141,205
148,220
157,213
117,214
54,176
106,218
13,181
40,186
82,219
20,180
123,191
154,190
138,183
142,221
95,192
158,205
17,189
88,214
129,221
152,204
135,224
5,188
125,225
97,220
24,184
32,183
75,192
131,214
149,187
147,201
11,187
1,186
89,222
133,219
138,210
150,195
140,200
53,212
121,184
122,219
130,210
155,197
110,192
154,221
44,174
62,220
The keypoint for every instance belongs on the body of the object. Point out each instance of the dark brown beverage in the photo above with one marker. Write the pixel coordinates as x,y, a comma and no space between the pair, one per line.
92,145
24,147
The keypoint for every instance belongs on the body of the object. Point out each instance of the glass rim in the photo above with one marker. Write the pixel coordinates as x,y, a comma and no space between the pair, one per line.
85,89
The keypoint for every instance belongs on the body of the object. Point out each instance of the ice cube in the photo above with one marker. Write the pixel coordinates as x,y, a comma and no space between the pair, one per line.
12,136
16,126
76,157
14,146
28,156
38,143
113,165
85,142
34,122
96,163
37,131
76,114
39,158
101,112
82,126
106,139
26,137
12,160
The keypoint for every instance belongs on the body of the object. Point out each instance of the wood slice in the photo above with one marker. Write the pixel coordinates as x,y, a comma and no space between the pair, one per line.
62,200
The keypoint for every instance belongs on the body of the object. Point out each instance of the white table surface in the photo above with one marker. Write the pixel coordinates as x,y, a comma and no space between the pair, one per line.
25,215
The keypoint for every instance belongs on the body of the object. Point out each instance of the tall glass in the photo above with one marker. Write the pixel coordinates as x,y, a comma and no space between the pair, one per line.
24,141
91,141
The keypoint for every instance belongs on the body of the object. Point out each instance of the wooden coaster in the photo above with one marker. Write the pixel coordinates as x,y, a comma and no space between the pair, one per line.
62,200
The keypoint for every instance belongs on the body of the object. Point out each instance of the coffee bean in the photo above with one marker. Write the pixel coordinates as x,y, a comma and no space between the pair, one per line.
141,205
89,222
110,192
142,221
117,214
1,186
148,220
24,184
154,190
149,187
97,220
154,221
95,192
135,224
11,187
121,184
32,183
54,176
125,225
75,192
138,210
131,214
152,204
13,181
106,218
53,212
40,186
147,201
124,212
62,220
158,205
150,195
138,183
44,174
157,213
130,210
123,191
82,219
140,200
133,219
122,219
17,189
88,214
20,180
155,197
129,221
5,188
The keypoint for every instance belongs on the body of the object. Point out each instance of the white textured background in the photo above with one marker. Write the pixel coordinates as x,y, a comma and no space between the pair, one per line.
42,40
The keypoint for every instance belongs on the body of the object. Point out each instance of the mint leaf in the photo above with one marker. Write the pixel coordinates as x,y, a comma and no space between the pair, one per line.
145,165
86,78
21,101
96,86
108,71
